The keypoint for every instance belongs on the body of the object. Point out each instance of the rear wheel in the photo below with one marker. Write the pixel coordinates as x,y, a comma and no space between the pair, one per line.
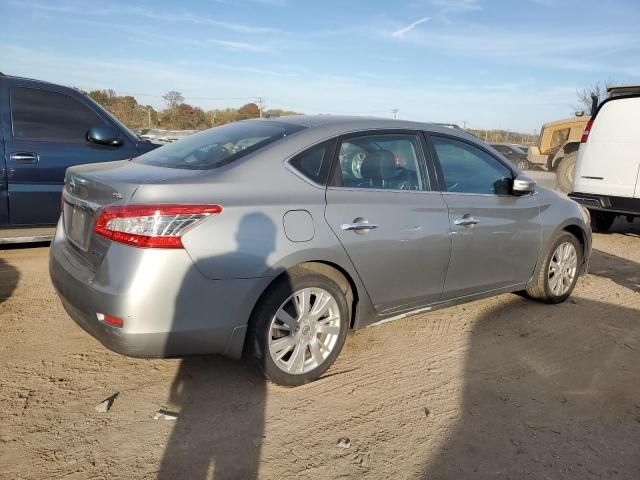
601,221
523,164
559,273
565,172
299,327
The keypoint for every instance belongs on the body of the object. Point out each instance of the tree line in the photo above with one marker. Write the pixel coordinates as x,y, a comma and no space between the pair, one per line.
177,115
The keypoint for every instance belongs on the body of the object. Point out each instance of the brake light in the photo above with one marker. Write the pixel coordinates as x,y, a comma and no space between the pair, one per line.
587,130
151,226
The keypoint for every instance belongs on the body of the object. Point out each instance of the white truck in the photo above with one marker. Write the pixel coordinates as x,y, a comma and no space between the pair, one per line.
607,175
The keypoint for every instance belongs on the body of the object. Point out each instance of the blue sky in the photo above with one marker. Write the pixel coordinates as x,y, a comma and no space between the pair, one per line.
491,63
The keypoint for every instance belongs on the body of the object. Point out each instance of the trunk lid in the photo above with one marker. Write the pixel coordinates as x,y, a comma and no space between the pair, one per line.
89,188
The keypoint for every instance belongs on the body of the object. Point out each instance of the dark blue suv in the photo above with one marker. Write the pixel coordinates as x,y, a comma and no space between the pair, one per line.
47,128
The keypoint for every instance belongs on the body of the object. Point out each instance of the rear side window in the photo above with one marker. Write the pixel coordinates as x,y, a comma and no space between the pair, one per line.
43,115
218,146
315,162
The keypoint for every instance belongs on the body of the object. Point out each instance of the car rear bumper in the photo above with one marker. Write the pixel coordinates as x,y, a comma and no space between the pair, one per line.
608,203
168,307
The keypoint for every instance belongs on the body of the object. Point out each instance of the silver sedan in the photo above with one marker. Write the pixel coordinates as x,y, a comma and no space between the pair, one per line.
276,237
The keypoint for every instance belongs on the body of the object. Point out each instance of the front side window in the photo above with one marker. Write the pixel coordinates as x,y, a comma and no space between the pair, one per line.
218,146
49,116
468,169
387,161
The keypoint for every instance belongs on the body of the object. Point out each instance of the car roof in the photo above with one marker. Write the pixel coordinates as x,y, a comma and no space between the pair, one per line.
355,123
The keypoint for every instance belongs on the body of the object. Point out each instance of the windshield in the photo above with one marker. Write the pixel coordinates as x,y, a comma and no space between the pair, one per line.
218,146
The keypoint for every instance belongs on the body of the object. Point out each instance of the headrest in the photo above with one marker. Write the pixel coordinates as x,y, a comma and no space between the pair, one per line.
379,165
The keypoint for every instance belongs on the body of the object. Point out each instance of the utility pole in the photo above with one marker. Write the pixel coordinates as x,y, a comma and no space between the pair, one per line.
395,113
213,119
149,115
464,124
260,105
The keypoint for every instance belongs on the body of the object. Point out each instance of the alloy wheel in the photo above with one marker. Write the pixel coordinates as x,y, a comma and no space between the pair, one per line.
562,268
304,330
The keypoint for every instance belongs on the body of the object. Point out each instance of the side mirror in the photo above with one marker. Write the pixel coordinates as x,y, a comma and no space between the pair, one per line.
104,136
523,185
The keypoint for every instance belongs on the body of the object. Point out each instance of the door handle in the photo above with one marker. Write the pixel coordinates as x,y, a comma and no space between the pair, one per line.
24,157
466,221
359,226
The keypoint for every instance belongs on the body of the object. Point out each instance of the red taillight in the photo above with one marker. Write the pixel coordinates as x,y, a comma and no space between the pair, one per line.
111,320
151,226
587,129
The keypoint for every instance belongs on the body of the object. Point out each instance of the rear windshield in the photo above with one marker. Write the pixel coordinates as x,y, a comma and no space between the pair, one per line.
218,146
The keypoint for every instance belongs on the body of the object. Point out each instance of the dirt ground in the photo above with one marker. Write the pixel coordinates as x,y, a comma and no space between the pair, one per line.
499,388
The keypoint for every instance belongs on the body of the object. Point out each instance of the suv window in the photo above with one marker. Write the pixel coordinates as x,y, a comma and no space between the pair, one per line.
44,115
386,161
218,146
468,169
315,162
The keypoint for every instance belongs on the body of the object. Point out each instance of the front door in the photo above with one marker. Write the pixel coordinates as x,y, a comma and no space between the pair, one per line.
394,229
44,135
495,235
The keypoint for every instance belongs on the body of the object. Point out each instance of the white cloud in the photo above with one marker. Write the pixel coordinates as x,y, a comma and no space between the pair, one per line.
241,46
80,9
403,31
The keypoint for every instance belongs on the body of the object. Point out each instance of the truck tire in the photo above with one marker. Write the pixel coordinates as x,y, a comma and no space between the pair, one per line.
565,171
601,221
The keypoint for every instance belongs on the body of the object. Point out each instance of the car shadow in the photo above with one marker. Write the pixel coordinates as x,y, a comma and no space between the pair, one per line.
9,277
220,403
623,271
555,396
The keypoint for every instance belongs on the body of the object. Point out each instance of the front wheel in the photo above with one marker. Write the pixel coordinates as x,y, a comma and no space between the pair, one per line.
559,273
299,327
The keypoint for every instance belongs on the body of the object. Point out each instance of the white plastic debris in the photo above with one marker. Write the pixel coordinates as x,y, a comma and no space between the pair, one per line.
105,405
165,414
344,442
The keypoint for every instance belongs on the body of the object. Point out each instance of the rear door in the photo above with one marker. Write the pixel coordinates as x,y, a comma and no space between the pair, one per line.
495,235
392,224
45,133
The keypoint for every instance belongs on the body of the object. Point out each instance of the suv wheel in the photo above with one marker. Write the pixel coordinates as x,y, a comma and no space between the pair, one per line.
299,327
559,273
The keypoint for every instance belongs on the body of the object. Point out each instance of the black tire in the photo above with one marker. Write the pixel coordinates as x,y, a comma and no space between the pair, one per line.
541,290
259,327
601,221
565,172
